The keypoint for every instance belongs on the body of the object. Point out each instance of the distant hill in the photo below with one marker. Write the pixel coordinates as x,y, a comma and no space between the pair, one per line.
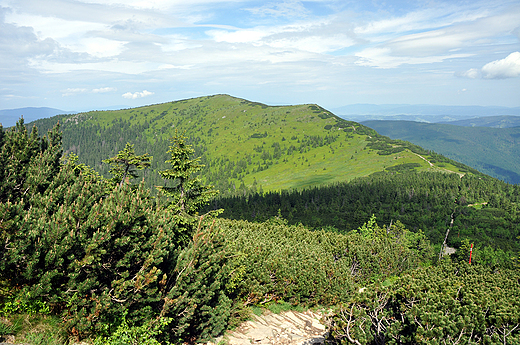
419,113
8,117
503,121
494,151
246,146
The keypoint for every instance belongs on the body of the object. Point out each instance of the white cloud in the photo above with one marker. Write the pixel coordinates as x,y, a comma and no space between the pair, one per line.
436,40
104,89
239,36
93,13
427,19
73,91
218,46
135,95
101,47
114,66
508,67
170,66
472,73
291,8
383,58
321,36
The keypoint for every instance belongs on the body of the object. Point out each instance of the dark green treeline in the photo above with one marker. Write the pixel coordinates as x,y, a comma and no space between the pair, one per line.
485,210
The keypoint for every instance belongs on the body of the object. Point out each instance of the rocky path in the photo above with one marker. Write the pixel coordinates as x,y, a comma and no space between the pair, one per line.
286,328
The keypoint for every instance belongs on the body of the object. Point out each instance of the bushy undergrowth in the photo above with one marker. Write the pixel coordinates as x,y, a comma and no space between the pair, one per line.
447,303
98,252
273,261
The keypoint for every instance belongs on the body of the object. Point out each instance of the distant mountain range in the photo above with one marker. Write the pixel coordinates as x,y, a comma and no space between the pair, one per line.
8,117
419,113
503,121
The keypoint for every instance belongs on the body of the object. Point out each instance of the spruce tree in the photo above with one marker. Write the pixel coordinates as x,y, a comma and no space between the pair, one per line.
125,164
188,193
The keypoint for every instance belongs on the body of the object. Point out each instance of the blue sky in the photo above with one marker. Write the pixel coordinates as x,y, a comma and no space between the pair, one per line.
93,54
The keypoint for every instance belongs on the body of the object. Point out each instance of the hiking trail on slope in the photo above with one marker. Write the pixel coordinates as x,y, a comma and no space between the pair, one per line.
286,328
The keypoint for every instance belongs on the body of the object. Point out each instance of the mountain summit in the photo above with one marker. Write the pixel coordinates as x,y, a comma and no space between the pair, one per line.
245,144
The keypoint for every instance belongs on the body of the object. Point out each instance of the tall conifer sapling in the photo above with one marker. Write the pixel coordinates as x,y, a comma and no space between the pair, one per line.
126,163
188,192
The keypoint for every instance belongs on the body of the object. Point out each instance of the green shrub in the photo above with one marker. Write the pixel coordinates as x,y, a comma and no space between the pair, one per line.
22,303
91,252
145,334
456,303
274,262
197,302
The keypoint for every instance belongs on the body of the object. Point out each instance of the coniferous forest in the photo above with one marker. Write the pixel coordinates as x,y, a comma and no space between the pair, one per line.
108,259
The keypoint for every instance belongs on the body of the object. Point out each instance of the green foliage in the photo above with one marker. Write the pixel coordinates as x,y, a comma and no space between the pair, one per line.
484,255
418,200
27,162
198,302
125,334
275,262
91,253
188,193
455,303
23,304
125,164
403,167
235,142
279,306
127,267
368,230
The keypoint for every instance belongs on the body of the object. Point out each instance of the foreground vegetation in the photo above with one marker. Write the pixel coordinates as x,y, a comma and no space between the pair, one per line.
103,260
444,304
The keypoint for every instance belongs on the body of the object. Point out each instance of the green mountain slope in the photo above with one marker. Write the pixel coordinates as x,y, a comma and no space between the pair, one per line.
245,145
494,151
503,121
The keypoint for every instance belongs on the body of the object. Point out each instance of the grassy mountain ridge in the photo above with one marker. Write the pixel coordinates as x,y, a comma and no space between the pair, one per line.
420,112
494,151
245,145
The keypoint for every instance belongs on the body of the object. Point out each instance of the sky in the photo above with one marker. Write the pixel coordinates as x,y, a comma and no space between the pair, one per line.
96,54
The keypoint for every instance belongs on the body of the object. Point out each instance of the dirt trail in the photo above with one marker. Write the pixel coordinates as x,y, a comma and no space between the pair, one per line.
432,165
286,328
